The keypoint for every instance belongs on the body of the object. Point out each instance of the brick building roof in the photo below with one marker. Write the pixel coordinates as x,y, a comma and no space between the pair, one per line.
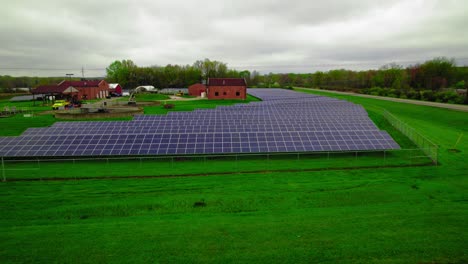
80,83
59,88
47,89
226,82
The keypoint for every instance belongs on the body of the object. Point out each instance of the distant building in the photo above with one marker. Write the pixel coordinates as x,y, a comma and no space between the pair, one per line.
115,89
196,89
227,88
21,89
146,88
173,91
78,89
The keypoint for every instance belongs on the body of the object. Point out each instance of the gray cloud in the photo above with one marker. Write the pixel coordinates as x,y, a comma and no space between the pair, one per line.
265,35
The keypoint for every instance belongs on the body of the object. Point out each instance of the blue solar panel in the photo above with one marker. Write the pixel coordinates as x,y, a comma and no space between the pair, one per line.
285,121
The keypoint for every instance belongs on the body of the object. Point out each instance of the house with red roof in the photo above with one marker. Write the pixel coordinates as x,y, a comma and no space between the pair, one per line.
82,90
115,89
226,88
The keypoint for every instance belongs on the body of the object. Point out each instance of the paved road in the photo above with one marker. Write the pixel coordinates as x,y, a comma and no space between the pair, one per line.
463,108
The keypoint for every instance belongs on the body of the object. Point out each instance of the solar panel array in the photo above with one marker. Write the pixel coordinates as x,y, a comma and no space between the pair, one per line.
285,121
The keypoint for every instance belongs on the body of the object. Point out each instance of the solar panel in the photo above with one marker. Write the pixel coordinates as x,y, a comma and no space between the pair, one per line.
285,121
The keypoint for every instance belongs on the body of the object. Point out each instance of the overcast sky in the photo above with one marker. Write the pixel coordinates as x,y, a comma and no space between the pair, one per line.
262,35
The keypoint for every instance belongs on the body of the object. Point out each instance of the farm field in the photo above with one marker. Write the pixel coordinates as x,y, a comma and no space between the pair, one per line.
377,215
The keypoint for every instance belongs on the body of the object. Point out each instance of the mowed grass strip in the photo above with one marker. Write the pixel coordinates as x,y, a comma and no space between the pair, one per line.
190,105
389,215
205,165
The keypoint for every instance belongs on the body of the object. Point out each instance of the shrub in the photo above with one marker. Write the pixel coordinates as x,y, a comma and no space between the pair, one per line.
377,91
460,84
427,95
394,93
413,94
448,97
276,85
169,106
200,203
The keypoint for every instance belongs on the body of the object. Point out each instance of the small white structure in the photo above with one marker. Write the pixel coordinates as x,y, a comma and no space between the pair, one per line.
146,88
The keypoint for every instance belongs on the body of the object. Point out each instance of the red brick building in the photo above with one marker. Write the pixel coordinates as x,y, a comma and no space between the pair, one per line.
227,88
86,89
115,89
196,89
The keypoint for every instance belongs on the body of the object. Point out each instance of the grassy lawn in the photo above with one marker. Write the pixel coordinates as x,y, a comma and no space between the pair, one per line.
384,215
146,97
15,125
191,105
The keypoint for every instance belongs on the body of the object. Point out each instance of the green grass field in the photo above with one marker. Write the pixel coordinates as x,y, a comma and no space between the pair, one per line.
376,215
190,105
146,97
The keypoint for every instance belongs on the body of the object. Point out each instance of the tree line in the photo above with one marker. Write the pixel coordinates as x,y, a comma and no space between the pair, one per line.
130,75
439,79
9,83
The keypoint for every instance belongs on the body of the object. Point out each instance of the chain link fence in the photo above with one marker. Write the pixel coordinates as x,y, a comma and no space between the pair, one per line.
194,165
427,146
168,166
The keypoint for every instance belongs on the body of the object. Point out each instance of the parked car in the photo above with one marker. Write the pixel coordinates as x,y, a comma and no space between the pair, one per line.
60,103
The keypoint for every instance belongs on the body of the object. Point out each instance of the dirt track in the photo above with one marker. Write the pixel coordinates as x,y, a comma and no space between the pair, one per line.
463,108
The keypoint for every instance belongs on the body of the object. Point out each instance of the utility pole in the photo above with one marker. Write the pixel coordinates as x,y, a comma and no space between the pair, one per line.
69,75
82,71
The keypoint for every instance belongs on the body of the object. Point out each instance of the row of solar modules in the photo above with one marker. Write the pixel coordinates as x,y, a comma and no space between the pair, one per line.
239,136
298,123
278,122
198,129
261,108
221,121
200,143
268,116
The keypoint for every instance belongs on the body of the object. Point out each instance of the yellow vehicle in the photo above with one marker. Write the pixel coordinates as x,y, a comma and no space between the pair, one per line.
59,103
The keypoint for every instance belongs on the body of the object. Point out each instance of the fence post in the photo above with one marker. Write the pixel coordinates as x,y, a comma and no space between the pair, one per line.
237,165
268,162
3,171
